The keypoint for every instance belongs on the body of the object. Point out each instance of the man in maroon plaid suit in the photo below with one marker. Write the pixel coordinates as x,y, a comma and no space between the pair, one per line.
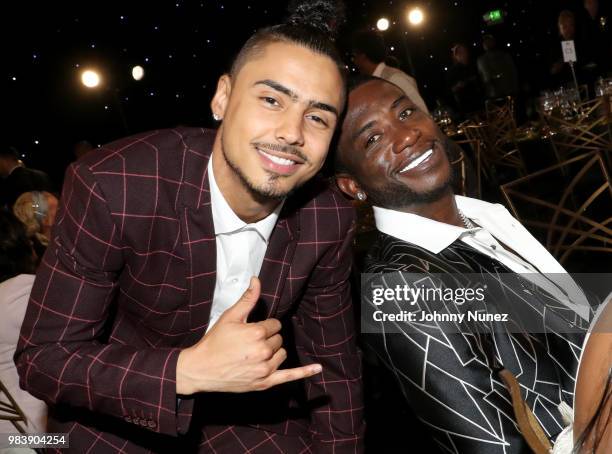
128,334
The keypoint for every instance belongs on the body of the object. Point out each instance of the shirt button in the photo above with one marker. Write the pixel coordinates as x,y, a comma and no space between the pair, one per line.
235,280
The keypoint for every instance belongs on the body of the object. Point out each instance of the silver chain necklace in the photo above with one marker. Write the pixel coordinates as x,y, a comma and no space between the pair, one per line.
468,224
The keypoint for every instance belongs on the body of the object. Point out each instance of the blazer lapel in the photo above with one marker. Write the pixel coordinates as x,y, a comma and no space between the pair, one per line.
515,235
510,231
199,244
276,264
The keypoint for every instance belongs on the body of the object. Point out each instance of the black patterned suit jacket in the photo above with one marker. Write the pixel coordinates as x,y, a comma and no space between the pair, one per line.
449,378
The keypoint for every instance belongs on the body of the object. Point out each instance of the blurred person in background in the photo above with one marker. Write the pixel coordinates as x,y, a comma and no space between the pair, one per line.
16,178
586,66
82,148
594,27
497,70
37,211
370,54
463,82
17,268
393,61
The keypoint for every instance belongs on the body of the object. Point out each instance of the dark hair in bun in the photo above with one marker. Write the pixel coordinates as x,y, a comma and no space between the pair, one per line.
323,15
311,24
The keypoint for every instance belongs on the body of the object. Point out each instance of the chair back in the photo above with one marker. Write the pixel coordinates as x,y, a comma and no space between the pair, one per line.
587,130
500,119
499,135
568,206
470,177
10,410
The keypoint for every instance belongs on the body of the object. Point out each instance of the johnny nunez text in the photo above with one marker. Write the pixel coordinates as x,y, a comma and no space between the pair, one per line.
406,316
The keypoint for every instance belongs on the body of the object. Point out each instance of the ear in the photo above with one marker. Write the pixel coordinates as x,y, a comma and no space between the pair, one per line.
348,185
220,100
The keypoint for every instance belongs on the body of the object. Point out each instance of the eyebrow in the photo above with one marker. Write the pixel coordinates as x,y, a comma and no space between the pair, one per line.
278,87
363,129
398,101
294,96
370,124
323,106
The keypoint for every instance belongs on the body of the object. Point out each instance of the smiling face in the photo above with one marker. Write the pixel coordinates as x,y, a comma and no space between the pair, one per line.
393,152
279,115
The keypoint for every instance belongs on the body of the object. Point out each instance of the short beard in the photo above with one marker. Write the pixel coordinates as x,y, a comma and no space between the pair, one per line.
397,196
263,193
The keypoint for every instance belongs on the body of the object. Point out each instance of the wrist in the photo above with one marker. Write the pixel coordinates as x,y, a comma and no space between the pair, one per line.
183,383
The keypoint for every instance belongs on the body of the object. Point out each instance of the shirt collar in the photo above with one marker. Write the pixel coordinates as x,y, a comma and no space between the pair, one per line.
379,69
226,221
436,236
424,232
14,167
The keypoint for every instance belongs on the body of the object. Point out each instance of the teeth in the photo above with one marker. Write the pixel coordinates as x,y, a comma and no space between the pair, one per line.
417,161
276,159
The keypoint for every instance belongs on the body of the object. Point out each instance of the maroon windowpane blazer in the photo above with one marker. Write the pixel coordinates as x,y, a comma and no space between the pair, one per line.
128,281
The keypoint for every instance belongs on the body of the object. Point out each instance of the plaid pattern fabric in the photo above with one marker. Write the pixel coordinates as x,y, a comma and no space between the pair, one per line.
128,281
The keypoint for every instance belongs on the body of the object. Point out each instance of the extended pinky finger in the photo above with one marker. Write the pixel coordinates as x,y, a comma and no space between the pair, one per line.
297,373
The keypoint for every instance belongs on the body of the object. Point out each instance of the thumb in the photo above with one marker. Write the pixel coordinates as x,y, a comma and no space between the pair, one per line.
240,311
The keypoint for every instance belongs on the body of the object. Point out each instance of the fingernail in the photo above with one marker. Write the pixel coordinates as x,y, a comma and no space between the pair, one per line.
317,368
251,284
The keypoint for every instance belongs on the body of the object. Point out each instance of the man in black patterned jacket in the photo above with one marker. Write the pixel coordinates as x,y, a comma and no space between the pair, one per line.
393,155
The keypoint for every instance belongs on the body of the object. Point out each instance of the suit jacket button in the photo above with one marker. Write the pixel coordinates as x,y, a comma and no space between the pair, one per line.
152,424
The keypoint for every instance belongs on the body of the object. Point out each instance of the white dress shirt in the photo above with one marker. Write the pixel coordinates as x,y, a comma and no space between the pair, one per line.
241,248
407,83
495,224
14,295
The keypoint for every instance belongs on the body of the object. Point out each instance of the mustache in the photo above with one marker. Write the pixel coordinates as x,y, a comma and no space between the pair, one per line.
289,149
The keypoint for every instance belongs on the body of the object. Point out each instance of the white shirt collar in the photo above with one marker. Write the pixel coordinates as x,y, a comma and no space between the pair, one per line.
226,221
436,236
379,69
424,232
